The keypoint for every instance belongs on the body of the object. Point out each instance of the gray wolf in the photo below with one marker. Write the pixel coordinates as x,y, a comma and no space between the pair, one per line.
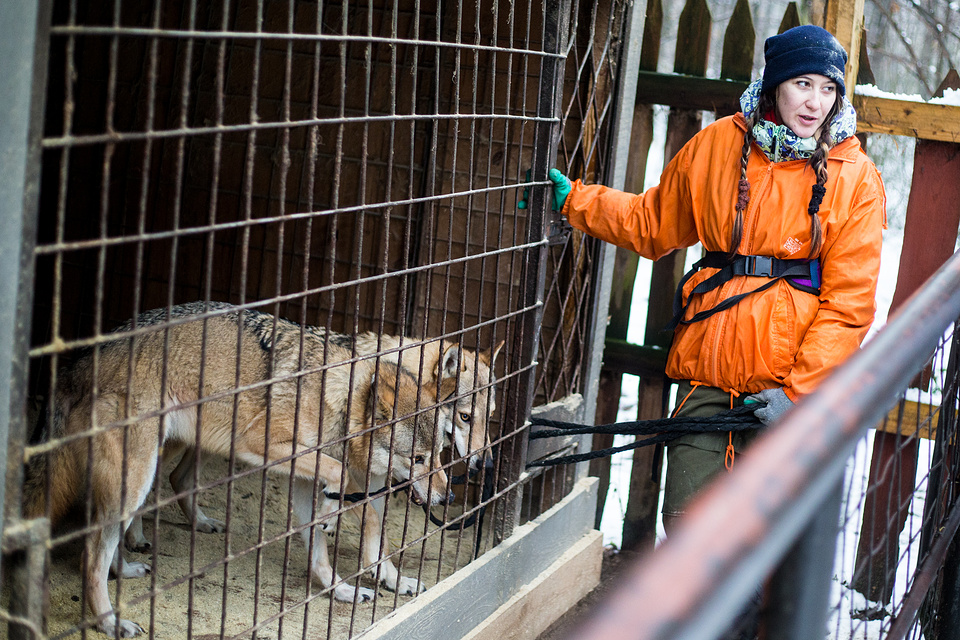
463,380
272,391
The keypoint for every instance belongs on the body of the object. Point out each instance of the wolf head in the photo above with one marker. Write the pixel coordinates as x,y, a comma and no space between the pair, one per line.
467,392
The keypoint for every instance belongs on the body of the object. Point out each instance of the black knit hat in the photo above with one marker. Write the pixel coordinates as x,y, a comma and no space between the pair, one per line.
806,49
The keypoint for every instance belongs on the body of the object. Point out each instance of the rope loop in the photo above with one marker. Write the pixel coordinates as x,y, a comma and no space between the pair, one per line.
663,430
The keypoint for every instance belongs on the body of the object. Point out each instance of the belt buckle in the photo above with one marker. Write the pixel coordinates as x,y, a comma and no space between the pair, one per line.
760,266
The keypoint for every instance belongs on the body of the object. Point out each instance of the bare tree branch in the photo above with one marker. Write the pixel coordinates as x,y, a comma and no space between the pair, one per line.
883,8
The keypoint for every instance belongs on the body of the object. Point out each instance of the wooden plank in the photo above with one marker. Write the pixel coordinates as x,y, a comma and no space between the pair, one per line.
646,361
458,604
905,118
650,48
690,92
693,39
640,519
555,591
642,132
918,420
738,43
844,19
791,18
874,115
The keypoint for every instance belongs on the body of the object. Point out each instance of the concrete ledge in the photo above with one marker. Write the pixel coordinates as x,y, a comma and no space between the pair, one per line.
554,592
476,596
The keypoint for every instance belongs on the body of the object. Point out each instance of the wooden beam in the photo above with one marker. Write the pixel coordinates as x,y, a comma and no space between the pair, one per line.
844,19
554,592
639,360
918,419
874,115
904,118
690,92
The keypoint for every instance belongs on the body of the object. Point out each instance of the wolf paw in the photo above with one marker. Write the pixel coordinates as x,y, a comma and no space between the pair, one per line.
139,547
347,593
209,525
135,541
135,570
408,587
127,629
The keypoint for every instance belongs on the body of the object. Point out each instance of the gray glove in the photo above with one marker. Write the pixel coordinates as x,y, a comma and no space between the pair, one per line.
774,403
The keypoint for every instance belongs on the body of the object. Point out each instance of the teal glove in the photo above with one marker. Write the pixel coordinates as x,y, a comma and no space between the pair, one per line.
773,404
561,189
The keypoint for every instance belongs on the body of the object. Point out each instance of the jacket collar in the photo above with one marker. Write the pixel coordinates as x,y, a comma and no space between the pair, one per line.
846,151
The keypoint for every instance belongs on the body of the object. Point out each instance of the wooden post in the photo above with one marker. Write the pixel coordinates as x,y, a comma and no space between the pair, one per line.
626,262
844,19
864,76
739,41
693,47
929,234
791,18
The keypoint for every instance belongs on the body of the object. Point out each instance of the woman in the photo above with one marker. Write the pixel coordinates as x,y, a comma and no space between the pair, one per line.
790,211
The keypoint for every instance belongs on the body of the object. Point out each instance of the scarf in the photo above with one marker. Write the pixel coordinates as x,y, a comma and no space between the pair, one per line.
780,143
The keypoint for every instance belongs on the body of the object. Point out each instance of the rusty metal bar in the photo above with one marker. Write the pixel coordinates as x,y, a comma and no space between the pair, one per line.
738,530
513,452
23,48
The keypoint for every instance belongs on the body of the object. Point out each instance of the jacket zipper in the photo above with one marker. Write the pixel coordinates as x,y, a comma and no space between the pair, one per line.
747,241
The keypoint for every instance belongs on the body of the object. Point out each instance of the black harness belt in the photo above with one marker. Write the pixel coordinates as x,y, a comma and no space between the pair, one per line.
799,274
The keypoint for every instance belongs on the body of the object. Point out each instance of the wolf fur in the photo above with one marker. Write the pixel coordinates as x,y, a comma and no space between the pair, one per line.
267,390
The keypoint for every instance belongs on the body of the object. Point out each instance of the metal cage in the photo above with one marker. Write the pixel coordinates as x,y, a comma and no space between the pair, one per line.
265,176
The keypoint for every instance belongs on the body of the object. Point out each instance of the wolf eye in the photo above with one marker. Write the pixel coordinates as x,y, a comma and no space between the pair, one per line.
419,460
465,417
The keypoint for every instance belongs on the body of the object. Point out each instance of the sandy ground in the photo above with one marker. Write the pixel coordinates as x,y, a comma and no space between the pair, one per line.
264,590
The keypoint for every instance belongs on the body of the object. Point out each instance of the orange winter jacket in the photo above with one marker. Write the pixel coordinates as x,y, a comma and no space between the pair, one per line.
781,336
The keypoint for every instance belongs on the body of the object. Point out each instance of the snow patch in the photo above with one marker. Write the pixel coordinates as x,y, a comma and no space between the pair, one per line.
950,97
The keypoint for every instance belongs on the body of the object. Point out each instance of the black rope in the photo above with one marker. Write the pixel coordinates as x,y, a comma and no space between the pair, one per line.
487,493
354,497
662,430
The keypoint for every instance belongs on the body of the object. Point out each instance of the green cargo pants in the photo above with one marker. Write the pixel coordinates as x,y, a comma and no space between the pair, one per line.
693,460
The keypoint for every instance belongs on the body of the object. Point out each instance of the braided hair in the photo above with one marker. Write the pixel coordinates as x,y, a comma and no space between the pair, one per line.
817,162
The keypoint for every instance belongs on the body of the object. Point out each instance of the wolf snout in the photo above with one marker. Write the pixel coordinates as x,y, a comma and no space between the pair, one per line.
479,462
435,498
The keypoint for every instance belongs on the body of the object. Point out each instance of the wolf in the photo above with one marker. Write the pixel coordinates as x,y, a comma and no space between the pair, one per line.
223,379
464,381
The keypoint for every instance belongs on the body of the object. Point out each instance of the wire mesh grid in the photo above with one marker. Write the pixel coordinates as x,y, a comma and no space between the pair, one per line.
899,499
244,208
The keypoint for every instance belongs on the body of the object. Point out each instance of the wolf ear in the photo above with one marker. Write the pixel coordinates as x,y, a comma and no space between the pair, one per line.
449,362
489,356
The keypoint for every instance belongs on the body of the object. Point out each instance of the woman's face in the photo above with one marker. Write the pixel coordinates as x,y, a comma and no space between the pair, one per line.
804,102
